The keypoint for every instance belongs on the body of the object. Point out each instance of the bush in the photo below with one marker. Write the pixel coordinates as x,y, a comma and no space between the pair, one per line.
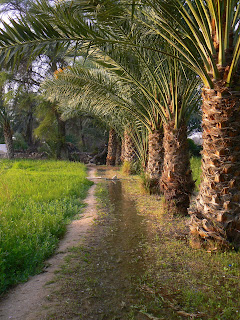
129,168
19,142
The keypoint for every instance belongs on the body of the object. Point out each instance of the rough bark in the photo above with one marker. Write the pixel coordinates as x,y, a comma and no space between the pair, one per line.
215,220
176,181
118,153
122,150
155,159
129,147
112,148
8,140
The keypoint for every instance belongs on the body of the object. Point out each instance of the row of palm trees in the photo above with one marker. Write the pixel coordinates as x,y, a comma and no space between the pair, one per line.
158,51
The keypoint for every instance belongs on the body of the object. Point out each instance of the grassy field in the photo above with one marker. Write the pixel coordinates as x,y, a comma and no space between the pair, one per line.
196,169
37,200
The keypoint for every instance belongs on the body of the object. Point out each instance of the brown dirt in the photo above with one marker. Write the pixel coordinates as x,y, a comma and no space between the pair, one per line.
25,301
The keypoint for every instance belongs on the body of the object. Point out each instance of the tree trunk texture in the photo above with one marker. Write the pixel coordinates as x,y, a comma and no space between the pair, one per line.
122,150
129,147
155,160
118,152
215,220
112,148
8,140
176,181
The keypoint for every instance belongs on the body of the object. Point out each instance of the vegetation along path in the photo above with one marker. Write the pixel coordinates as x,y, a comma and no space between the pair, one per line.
127,259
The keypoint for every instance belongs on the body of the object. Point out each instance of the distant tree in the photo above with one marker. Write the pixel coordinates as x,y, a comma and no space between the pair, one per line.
5,117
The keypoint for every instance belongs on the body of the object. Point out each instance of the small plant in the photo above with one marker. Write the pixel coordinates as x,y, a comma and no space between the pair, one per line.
129,168
19,142
151,186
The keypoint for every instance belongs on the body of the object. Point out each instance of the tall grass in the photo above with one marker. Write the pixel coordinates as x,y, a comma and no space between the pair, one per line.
196,170
37,199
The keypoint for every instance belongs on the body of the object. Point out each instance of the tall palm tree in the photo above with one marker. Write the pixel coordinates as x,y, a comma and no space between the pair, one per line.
179,100
207,34
172,93
97,93
77,28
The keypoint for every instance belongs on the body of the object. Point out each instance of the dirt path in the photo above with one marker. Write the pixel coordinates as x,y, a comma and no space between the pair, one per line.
26,300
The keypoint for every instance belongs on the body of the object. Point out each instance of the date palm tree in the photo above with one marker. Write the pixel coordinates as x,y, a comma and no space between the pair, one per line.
207,34
172,92
38,32
101,95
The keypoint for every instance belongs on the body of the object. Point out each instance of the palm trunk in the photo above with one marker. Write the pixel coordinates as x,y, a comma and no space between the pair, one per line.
155,160
8,140
215,220
129,147
122,150
112,148
176,181
118,153
130,154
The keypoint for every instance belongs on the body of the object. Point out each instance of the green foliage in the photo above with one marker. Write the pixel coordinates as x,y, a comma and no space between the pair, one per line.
129,168
37,199
19,142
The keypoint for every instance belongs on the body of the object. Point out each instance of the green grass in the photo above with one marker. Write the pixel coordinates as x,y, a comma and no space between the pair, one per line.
196,169
37,200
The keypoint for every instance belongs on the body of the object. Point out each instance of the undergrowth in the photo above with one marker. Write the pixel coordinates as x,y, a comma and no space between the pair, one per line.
37,200
195,283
